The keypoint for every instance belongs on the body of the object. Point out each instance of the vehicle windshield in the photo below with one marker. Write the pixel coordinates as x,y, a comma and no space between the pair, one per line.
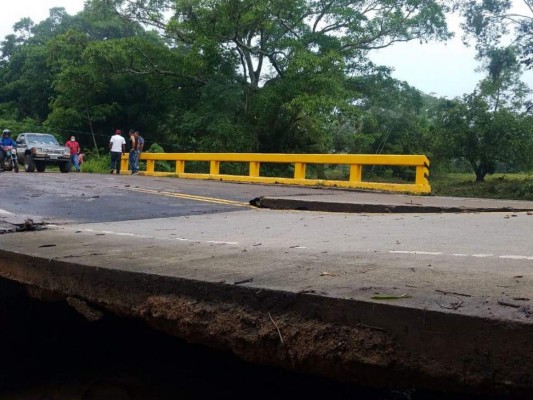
44,139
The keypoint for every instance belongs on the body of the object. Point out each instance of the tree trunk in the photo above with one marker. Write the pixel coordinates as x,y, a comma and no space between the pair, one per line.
92,133
479,170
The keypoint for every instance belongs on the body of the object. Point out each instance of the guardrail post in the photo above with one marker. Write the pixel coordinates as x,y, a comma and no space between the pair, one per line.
254,168
299,170
356,172
422,172
150,166
180,167
124,163
214,168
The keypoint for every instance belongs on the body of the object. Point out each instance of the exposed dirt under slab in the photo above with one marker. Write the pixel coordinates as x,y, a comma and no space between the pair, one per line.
304,341
49,351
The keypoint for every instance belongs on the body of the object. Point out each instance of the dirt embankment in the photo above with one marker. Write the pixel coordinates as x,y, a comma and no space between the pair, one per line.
299,338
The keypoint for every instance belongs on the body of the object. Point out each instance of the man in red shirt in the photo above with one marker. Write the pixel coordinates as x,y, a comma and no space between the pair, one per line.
74,152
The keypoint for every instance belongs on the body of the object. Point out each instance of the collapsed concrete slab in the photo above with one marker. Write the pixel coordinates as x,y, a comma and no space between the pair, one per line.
264,306
365,202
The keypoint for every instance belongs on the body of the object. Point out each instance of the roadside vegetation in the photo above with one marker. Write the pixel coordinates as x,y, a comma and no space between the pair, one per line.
275,77
96,164
497,186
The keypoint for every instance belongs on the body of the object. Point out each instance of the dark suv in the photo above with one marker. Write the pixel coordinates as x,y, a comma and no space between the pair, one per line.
37,150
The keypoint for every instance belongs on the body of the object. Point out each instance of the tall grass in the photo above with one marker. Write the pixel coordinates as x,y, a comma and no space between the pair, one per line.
96,164
515,186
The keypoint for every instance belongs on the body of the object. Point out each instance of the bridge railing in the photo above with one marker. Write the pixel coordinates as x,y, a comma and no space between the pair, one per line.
356,162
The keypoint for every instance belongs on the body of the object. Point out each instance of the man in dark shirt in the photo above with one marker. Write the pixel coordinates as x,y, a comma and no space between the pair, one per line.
133,158
139,140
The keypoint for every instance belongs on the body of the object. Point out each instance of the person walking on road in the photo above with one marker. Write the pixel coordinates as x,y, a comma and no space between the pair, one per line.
74,152
117,146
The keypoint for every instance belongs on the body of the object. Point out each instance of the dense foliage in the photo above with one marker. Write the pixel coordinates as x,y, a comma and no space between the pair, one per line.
257,76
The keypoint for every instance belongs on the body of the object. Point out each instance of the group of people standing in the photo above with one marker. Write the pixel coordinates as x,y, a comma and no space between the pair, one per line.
117,146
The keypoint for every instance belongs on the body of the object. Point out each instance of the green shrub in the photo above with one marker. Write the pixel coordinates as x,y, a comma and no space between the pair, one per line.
162,166
96,164
526,190
508,186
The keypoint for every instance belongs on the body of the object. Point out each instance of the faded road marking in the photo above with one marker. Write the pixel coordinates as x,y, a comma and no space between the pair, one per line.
511,257
223,242
140,236
425,253
192,197
481,255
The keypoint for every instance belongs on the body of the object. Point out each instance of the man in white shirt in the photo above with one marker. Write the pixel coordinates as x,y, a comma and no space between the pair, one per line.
117,146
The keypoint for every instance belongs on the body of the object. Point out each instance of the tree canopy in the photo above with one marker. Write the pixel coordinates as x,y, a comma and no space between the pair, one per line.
495,23
249,76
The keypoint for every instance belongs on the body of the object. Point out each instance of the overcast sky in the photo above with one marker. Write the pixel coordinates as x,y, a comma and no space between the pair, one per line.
443,69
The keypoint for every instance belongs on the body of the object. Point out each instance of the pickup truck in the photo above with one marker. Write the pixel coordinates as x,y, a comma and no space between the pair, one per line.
37,150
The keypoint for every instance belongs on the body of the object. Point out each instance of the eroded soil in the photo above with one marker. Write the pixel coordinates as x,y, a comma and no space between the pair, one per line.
50,351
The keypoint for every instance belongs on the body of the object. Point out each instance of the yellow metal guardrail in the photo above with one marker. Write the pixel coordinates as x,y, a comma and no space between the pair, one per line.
356,162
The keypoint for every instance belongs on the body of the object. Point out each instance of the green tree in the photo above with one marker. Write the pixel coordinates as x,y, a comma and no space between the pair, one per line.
224,75
468,128
289,60
492,22
79,90
25,77
105,75
503,87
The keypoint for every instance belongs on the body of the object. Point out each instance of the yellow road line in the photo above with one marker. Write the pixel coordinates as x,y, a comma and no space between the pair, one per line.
192,197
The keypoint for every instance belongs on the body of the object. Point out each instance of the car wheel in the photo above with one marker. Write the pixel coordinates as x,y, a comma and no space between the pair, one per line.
41,166
65,167
29,165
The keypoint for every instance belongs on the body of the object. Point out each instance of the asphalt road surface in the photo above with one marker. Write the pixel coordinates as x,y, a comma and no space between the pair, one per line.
63,198
464,278
449,252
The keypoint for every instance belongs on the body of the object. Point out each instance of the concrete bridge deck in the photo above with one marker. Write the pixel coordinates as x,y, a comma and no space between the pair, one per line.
402,300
